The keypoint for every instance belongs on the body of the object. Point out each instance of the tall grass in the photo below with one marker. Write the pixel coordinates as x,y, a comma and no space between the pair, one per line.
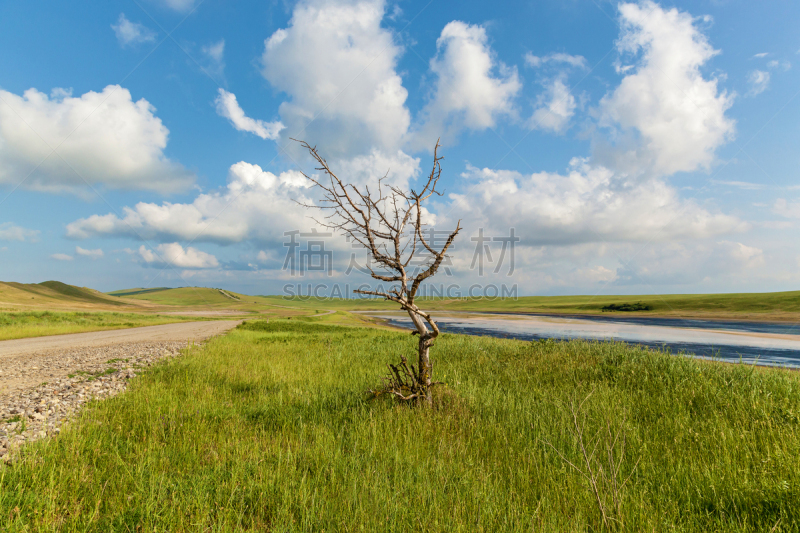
269,429
18,325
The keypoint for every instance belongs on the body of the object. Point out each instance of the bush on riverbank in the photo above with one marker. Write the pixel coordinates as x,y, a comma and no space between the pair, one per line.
265,429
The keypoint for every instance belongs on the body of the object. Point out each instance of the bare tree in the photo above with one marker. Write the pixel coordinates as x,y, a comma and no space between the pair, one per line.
389,223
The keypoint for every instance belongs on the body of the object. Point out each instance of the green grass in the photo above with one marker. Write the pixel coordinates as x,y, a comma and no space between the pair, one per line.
192,296
750,306
54,295
742,305
269,429
78,293
131,292
38,323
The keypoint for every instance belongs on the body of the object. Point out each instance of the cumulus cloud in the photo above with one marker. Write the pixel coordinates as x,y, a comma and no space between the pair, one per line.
100,138
174,254
664,117
748,256
758,81
337,65
94,254
689,263
472,89
256,205
554,109
11,232
556,58
228,107
587,204
130,33
61,257
398,168
620,193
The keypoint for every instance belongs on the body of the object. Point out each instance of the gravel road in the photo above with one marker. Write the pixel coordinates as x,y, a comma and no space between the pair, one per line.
45,380
185,331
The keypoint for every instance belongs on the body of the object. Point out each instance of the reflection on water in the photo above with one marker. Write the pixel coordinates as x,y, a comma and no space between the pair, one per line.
764,344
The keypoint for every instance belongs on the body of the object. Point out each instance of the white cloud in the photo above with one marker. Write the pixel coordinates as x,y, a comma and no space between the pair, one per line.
100,138
94,254
689,263
761,55
620,194
61,257
748,256
554,109
664,117
256,205
746,185
782,64
557,58
786,209
337,65
216,51
179,5
588,204
472,89
228,107
174,254
758,81
361,170
129,33
11,232
215,56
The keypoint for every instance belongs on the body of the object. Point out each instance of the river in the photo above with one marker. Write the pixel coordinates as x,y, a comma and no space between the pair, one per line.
770,344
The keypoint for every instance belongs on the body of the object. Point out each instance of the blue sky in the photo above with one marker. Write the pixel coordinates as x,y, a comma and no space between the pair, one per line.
633,147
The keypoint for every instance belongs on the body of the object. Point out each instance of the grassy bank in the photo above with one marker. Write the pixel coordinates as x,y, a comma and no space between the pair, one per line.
269,429
768,306
38,323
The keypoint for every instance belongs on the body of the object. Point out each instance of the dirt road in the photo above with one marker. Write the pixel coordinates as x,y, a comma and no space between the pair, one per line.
26,363
193,331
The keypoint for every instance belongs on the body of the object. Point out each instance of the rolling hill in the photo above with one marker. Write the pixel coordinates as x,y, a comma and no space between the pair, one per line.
187,296
55,294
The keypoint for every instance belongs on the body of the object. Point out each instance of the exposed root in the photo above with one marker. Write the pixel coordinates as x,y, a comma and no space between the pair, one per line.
403,383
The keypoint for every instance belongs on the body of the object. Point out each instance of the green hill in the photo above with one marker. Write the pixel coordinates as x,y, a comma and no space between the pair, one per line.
79,293
133,292
55,294
191,297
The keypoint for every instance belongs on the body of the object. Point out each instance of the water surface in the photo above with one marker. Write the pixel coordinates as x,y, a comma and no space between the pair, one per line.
748,342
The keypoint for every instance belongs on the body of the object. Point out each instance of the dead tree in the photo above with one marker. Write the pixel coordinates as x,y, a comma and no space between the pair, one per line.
389,223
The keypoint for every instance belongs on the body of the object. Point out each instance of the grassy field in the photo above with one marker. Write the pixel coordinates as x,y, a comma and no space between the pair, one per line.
37,323
57,295
205,298
186,296
269,429
777,306
54,308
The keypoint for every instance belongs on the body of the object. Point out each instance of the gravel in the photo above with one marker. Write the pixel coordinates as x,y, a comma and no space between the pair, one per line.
73,378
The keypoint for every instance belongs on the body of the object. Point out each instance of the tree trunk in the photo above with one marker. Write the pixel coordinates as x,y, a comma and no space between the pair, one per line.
424,363
425,369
